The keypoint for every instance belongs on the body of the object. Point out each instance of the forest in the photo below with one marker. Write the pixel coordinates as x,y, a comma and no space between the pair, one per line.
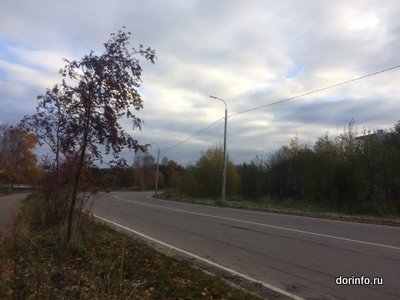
353,173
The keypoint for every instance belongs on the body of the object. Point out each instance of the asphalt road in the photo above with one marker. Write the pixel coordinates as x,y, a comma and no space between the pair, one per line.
302,256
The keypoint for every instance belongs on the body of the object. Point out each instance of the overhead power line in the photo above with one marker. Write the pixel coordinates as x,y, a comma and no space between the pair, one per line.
281,101
315,91
192,136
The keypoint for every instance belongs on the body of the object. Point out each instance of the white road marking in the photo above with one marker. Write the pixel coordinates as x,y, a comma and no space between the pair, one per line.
261,224
267,285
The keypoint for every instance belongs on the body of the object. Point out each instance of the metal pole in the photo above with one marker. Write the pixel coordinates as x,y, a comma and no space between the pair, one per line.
158,161
223,190
224,170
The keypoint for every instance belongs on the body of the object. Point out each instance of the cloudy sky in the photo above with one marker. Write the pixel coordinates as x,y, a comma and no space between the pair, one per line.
250,53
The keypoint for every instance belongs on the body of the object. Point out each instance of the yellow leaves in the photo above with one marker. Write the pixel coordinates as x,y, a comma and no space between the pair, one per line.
17,161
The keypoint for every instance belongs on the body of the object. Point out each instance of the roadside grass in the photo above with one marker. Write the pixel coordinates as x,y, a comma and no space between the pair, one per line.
99,263
3,191
285,206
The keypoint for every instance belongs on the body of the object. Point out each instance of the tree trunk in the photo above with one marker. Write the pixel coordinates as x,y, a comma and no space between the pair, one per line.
75,192
78,177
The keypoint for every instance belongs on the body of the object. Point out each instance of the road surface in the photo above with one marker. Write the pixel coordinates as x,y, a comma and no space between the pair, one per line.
301,256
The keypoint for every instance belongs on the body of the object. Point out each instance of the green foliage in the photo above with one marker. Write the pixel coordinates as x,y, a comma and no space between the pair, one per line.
209,173
187,182
249,180
205,178
346,173
169,168
350,173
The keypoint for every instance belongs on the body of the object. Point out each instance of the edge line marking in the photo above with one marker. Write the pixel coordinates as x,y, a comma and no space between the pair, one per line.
260,224
267,285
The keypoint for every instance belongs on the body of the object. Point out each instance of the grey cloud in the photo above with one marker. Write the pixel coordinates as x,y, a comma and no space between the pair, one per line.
249,53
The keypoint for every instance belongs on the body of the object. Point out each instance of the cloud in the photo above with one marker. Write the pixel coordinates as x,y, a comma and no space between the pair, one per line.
42,60
25,75
249,54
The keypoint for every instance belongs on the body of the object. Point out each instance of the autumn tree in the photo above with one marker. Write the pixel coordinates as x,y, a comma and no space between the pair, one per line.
204,179
168,168
145,172
17,161
209,174
349,172
250,175
49,124
95,93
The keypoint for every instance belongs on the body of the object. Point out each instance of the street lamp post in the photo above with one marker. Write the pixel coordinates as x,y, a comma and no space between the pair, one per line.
158,163
223,191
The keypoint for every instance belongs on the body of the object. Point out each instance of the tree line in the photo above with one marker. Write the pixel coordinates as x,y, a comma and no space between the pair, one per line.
350,173
140,176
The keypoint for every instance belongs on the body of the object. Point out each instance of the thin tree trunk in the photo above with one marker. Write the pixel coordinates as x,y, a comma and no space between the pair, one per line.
75,192
77,179
56,196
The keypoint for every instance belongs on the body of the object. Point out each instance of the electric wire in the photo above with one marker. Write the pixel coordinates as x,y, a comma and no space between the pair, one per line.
192,136
315,91
281,101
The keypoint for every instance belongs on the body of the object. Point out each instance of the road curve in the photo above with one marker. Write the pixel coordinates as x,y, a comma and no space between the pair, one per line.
305,257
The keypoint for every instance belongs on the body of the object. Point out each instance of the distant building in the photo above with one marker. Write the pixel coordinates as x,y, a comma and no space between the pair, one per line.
380,134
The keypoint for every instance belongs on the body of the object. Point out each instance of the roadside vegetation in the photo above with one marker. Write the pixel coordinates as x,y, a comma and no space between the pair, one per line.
349,176
353,176
286,206
3,190
18,164
97,263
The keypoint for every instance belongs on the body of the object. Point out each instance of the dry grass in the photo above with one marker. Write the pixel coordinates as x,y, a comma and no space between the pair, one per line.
287,206
99,263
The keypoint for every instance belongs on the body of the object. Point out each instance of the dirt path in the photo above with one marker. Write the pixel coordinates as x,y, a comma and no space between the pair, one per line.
8,205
